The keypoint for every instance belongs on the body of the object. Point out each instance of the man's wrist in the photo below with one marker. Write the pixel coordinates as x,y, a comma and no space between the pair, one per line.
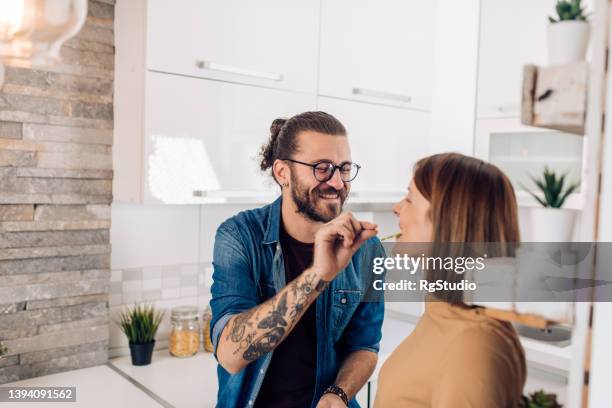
336,390
321,283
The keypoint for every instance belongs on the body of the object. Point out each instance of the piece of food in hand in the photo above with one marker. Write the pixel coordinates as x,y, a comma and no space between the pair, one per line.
392,236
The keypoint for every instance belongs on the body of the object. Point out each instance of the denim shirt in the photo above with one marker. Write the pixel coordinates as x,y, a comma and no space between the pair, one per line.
249,268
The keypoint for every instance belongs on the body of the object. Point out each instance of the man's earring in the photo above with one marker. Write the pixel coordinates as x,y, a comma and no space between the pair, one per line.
285,185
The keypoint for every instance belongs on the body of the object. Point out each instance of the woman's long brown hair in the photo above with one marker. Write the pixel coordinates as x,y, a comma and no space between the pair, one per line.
473,208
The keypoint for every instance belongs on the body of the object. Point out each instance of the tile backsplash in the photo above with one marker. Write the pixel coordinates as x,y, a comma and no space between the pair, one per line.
151,283
164,286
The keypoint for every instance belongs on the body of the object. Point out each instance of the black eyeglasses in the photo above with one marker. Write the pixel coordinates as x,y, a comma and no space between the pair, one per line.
324,171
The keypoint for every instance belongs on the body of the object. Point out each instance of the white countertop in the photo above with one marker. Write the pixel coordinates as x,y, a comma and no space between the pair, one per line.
180,382
96,387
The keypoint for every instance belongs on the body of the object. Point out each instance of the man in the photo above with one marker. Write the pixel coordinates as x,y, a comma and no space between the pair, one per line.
289,325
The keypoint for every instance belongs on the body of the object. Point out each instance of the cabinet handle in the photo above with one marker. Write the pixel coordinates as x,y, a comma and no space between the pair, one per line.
213,66
382,95
234,195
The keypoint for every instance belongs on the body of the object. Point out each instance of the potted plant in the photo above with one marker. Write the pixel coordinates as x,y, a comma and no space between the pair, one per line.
568,33
139,324
550,222
541,399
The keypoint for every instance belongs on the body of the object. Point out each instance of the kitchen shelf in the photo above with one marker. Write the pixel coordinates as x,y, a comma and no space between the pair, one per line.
547,356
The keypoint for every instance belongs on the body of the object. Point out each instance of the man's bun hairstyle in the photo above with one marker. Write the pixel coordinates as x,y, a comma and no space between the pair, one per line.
283,135
267,150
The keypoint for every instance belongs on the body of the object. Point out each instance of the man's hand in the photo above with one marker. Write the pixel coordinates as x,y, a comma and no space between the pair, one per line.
337,241
331,401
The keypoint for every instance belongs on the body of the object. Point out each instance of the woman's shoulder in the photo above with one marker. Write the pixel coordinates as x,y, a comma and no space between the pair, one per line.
484,362
488,334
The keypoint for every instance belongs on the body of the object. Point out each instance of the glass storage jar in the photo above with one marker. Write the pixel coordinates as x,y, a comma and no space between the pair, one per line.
184,332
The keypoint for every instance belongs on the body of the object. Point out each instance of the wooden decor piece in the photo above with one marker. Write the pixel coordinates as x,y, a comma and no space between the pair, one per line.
555,97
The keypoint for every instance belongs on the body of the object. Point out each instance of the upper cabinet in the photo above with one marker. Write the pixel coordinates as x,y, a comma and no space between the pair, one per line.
192,137
198,82
202,138
512,34
377,51
271,43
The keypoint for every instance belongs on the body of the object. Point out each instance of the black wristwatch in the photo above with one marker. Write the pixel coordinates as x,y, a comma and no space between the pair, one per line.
334,389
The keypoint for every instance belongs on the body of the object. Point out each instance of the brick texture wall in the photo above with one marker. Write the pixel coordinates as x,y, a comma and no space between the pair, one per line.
56,132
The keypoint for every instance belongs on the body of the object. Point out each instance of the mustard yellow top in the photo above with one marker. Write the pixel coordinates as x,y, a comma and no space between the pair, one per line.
456,357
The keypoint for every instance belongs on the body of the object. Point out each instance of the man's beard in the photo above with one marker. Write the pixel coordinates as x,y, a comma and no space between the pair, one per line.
306,201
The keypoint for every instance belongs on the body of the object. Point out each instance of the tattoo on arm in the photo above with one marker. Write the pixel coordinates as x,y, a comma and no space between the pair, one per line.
256,337
277,324
239,328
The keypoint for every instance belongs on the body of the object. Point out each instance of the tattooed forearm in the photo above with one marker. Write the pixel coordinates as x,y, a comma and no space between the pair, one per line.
303,291
240,325
264,344
258,331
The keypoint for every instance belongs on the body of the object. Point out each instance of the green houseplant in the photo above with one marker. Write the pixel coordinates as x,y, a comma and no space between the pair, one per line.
550,222
568,33
569,10
553,188
139,324
541,399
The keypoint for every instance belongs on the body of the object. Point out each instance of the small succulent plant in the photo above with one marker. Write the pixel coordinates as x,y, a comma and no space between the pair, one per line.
568,10
554,189
541,399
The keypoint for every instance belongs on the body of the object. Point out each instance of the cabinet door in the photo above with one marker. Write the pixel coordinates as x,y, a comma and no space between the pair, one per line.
205,136
385,141
512,34
378,51
271,43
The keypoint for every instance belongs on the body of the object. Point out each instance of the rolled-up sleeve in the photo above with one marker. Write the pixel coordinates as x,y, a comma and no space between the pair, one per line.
233,289
364,331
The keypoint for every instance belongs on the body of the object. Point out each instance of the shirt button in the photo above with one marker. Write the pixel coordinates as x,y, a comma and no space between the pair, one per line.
343,300
250,402
261,371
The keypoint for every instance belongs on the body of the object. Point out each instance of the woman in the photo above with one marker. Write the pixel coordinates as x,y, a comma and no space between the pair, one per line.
456,356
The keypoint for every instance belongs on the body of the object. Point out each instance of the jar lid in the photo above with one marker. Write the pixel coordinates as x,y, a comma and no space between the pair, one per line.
184,312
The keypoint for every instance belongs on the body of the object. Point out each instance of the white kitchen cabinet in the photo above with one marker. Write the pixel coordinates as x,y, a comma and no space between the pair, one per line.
385,141
512,34
202,138
377,51
272,43
182,139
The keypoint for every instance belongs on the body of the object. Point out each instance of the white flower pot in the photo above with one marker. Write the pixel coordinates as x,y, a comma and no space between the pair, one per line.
567,42
551,224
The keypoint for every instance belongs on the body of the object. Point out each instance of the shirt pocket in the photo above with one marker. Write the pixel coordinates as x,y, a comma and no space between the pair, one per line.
344,304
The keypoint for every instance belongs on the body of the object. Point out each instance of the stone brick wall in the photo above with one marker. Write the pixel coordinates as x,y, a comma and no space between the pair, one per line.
56,132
